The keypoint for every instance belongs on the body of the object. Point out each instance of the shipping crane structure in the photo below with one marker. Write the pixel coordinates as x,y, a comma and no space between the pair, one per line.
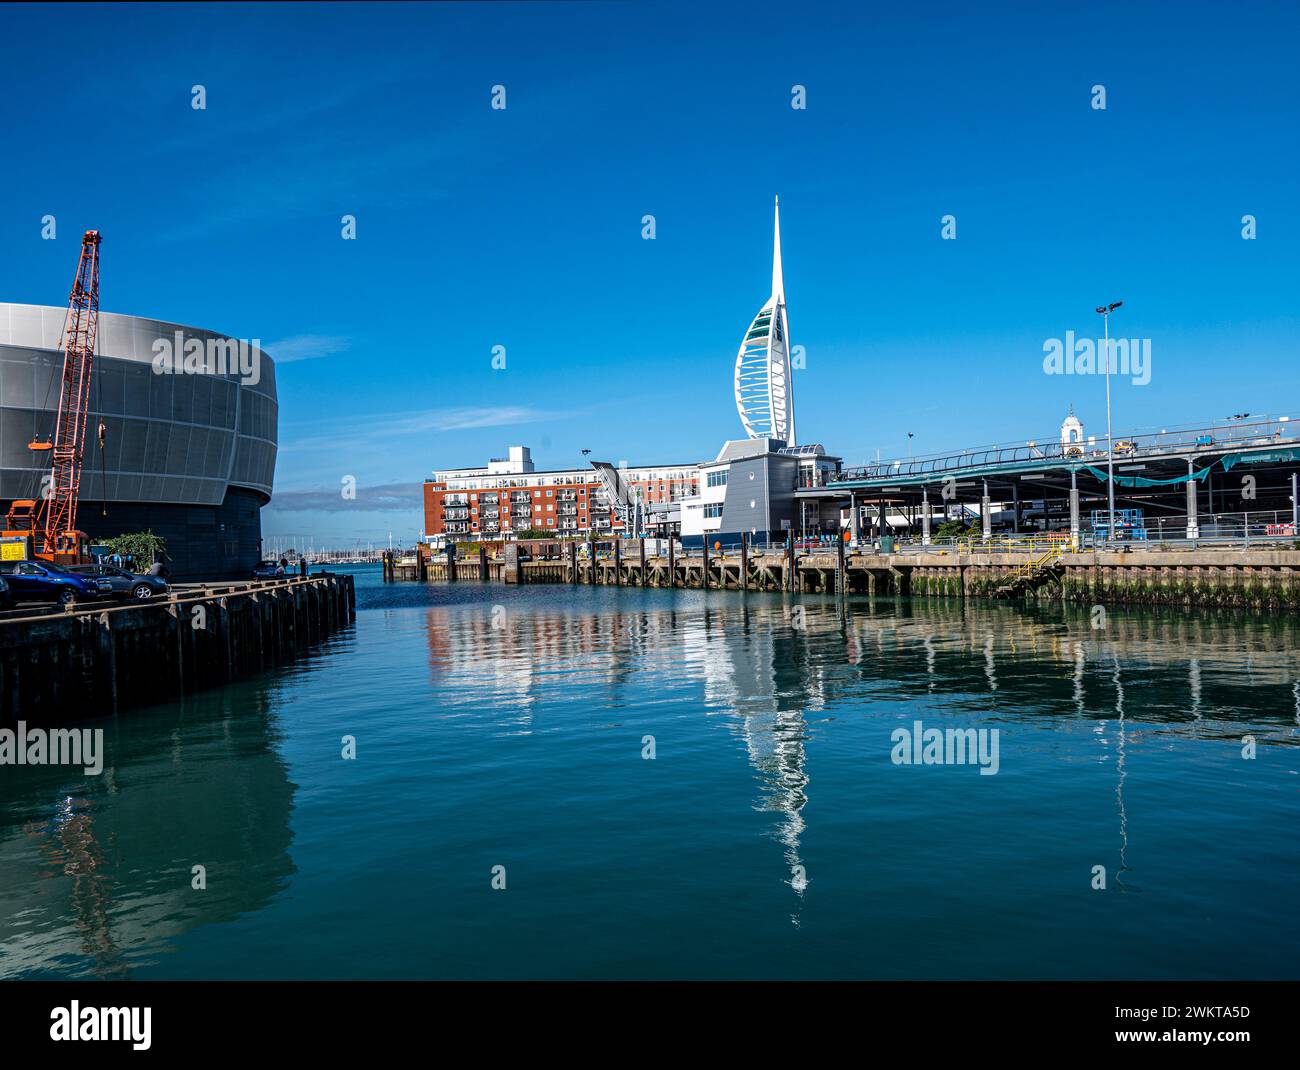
51,521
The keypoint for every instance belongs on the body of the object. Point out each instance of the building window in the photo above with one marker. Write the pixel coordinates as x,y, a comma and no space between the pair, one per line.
712,510
718,478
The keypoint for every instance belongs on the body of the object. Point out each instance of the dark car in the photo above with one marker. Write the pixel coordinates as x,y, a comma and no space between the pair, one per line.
269,570
6,598
124,584
39,581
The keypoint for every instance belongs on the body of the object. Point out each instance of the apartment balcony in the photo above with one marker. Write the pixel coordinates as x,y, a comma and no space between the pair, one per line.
491,514
567,496
457,528
455,499
455,514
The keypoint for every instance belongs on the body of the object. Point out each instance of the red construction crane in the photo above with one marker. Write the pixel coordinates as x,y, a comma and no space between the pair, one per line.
52,522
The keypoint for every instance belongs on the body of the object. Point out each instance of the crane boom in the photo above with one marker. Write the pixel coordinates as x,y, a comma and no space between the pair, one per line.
56,518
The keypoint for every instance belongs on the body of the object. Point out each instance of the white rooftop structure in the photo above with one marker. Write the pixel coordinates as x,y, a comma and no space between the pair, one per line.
520,460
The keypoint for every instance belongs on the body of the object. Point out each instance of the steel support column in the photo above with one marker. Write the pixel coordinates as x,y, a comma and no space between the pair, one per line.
1074,506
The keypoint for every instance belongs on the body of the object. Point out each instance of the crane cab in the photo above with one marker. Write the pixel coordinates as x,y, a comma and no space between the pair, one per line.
71,547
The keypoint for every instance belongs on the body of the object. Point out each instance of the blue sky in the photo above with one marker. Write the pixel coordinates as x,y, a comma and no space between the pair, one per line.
522,227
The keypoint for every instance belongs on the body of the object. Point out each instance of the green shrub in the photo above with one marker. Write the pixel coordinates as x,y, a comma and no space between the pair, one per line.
143,547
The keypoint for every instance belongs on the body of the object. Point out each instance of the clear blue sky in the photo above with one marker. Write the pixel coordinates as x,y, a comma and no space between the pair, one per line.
522,228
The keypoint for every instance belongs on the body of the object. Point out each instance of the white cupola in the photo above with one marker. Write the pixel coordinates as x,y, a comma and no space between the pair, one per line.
1071,429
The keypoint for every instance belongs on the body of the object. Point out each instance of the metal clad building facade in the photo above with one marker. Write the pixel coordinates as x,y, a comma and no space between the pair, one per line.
189,456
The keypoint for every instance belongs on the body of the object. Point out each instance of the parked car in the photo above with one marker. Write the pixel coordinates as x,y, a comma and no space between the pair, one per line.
268,570
39,581
6,596
124,584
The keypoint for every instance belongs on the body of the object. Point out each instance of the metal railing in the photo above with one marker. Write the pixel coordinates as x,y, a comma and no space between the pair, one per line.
1261,529
1267,432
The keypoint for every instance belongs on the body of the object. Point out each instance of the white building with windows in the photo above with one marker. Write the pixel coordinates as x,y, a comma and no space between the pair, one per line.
750,488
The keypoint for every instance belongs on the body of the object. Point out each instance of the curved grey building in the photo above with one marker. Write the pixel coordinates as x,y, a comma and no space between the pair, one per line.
189,447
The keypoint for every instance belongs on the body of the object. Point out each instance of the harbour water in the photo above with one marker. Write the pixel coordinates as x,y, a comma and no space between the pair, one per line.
771,835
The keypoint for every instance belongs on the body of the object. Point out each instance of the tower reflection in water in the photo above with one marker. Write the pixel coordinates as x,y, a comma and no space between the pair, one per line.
96,872
778,666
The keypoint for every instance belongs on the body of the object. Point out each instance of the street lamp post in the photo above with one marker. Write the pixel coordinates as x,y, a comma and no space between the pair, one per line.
1105,311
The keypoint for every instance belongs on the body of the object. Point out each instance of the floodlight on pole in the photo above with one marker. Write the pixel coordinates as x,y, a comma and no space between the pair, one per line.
1104,311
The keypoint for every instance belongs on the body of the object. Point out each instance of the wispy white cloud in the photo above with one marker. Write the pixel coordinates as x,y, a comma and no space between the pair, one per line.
417,422
307,347
464,419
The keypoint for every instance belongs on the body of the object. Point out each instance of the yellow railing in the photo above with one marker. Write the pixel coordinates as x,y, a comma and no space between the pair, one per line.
1048,557
1010,544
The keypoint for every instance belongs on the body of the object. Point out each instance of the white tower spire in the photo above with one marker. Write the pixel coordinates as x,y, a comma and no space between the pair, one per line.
764,394
778,280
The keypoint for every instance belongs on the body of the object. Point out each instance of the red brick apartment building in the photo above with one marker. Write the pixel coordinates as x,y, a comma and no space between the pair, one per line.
509,495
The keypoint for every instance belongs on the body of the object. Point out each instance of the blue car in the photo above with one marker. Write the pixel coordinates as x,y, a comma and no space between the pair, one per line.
39,581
